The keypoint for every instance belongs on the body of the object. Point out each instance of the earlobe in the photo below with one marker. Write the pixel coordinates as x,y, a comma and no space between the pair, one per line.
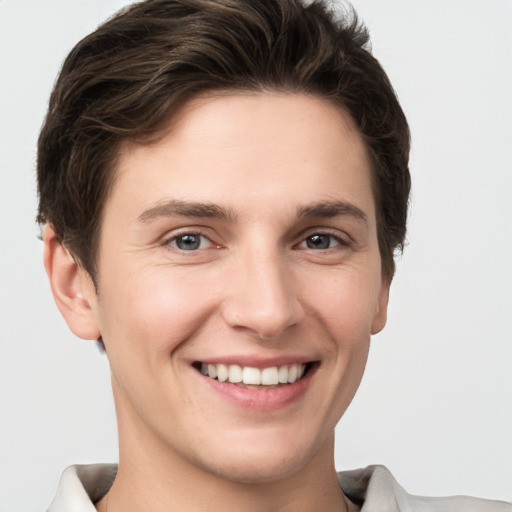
71,286
381,315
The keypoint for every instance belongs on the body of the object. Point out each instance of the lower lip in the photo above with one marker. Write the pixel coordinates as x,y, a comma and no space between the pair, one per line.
269,399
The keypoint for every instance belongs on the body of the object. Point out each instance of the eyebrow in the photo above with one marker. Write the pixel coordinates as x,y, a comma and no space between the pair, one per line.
329,209
322,209
185,209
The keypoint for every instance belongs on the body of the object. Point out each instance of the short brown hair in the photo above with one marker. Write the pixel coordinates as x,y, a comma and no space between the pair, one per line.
124,80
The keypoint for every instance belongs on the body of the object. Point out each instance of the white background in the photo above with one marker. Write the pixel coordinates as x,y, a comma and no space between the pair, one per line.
435,405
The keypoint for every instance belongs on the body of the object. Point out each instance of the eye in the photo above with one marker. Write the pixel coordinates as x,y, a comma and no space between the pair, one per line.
190,242
320,241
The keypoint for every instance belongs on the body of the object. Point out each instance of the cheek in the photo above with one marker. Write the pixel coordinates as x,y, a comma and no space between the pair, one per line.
154,312
344,304
347,301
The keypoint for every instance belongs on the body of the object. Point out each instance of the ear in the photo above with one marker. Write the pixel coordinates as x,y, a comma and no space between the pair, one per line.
381,315
72,287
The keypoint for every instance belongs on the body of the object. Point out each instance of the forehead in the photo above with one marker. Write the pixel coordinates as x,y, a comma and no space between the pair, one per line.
245,147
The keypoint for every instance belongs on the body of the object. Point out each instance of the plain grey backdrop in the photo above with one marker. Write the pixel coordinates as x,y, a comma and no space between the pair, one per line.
435,405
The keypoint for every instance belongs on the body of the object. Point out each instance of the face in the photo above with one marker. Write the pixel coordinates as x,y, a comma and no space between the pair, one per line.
239,283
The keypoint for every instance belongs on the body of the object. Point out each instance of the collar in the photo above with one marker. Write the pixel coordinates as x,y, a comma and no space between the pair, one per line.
373,488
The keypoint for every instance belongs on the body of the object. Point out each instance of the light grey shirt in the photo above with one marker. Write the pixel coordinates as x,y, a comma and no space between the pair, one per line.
373,489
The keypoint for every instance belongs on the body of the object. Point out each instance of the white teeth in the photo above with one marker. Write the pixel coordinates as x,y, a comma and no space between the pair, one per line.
292,373
271,376
222,372
234,375
251,376
212,371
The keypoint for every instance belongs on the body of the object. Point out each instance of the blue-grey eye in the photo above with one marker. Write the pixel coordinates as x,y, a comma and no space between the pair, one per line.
188,241
320,241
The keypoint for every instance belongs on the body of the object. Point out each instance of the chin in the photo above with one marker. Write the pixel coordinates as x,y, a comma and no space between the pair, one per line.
258,471
274,462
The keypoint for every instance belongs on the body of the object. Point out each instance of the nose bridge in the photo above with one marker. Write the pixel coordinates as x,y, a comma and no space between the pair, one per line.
263,294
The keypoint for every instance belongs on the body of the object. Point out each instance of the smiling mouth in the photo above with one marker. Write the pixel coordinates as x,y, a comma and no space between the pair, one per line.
258,378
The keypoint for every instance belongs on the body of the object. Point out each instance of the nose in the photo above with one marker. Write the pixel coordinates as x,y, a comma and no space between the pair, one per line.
262,295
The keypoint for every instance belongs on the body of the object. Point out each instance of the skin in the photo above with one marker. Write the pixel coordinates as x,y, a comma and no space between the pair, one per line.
282,171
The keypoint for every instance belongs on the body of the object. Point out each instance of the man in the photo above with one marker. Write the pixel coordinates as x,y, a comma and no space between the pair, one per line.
223,186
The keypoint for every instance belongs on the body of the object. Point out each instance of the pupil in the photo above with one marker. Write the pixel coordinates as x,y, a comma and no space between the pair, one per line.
188,242
319,242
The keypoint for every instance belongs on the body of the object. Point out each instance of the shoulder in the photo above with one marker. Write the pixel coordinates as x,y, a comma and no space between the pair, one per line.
376,490
81,486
